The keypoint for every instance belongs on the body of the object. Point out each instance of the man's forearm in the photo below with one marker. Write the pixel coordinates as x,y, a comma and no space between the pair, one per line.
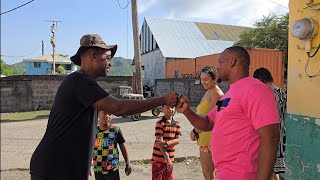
200,122
266,159
137,106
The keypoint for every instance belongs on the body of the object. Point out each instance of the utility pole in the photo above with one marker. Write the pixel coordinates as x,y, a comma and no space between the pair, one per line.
137,54
53,43
42,48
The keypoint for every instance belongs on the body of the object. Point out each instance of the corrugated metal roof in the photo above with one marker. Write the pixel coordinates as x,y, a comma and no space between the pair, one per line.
48,58
187,39
220,31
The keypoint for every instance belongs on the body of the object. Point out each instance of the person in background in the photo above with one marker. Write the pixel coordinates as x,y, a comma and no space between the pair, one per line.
146,91
65,151
265,76
245,122
167,132
208,77
106,153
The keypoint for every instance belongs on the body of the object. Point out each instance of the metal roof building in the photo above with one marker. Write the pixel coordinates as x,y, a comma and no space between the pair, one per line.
41,65
166,39
49,59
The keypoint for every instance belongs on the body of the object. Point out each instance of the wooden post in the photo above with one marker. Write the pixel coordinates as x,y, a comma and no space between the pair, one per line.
137,54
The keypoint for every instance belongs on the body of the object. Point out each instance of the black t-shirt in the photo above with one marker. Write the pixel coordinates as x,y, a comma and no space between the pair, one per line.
65,151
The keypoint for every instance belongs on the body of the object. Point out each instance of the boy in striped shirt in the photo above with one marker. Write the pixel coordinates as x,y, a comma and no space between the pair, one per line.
167,132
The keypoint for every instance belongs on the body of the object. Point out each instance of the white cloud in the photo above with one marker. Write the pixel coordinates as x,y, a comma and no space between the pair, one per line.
243,13
144,5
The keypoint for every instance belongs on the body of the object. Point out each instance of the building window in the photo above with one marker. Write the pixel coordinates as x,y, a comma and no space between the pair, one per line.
68,67
37,64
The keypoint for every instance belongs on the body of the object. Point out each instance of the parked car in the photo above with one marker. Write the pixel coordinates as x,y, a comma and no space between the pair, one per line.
125,92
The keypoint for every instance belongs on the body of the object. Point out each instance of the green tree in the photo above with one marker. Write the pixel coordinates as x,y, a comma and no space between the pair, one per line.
8,70
5,69
269,32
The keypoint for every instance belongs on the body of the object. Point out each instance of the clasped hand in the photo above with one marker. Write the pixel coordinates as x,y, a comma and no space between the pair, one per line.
181,102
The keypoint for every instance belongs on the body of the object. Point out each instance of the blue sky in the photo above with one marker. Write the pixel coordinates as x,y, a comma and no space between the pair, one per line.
22,30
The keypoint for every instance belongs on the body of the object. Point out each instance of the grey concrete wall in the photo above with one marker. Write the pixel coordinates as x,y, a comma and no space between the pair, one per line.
16,96
154,66
43,92
27,93
188,87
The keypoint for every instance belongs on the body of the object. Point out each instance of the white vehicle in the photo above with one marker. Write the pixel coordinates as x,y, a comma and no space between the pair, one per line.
155,111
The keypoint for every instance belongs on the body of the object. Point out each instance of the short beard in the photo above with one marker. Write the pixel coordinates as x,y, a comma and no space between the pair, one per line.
105,72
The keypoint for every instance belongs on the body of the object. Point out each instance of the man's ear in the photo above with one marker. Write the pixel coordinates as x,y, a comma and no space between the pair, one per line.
233,61
93,57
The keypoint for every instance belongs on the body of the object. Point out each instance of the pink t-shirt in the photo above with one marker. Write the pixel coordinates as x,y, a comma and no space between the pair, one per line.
247,106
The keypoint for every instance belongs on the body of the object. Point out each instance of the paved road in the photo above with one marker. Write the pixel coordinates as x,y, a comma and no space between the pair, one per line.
19,139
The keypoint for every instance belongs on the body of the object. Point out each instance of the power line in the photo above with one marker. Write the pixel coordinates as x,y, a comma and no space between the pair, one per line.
20,56
278,4
127,33
17,7
124,6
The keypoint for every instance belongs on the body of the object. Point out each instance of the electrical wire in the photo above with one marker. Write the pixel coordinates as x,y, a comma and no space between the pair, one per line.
17,7
311,56
20,56
311,6
307,64
124,6
127,18
278,4
306,70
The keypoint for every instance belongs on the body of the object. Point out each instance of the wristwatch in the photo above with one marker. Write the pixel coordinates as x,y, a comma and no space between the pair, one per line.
165,144
166,156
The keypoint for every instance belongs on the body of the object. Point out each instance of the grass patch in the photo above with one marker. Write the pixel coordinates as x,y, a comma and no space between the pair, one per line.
23,116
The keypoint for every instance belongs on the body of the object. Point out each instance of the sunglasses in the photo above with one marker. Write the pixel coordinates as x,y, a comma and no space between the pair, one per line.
206,70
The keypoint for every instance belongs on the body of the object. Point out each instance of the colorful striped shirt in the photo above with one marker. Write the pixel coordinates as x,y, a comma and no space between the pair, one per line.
168,131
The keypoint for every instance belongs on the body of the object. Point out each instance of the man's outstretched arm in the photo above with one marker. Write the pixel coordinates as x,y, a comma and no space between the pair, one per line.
201,122
120,107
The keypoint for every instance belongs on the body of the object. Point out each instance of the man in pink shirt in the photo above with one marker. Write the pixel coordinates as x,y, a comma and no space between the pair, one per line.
245,122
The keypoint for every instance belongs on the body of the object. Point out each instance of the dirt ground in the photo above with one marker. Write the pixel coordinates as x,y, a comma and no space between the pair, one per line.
187,169
139,137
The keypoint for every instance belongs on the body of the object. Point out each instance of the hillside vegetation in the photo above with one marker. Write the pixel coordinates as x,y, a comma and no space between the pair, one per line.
120,67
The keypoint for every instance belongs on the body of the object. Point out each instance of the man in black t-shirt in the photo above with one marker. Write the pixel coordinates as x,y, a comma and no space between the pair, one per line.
65,151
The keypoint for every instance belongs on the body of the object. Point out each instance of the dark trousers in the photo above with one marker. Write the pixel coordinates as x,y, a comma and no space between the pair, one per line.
112,175
35,177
